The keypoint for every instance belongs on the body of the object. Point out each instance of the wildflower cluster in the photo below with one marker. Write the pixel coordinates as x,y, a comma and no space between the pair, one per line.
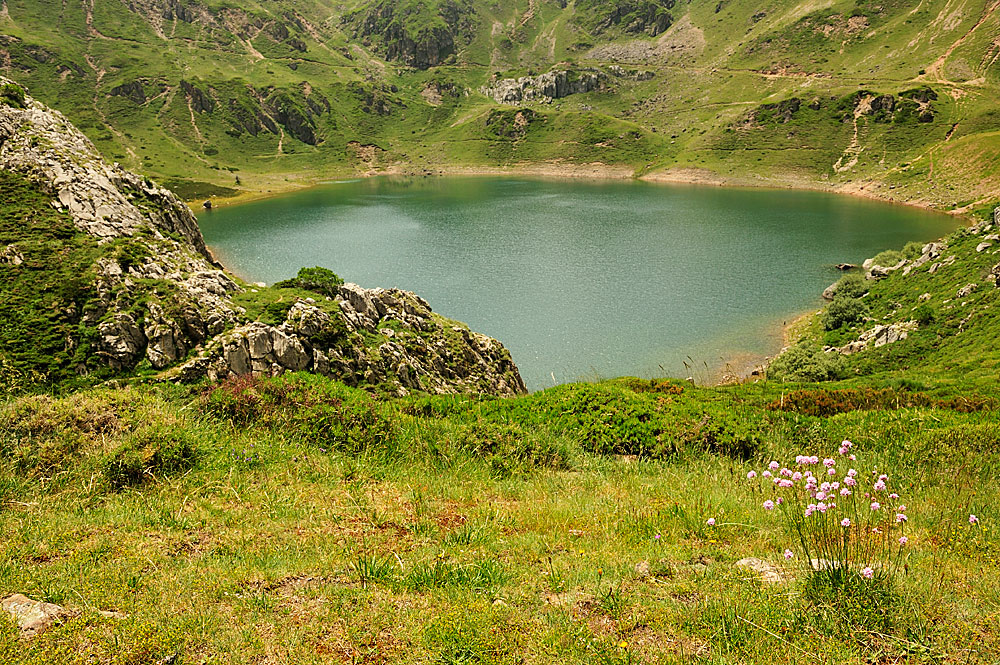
838,520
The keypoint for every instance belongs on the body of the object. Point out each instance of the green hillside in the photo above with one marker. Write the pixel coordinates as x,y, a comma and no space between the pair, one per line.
210,97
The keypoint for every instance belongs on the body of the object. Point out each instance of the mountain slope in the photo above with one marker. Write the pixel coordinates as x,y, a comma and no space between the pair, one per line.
213,98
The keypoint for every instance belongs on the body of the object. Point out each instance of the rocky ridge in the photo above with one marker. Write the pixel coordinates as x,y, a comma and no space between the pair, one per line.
555,84
159,297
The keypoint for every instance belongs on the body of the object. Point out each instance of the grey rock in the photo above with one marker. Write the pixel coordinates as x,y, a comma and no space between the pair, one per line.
543,88
983,246
34,617
966,290
289,351
11,256
879,336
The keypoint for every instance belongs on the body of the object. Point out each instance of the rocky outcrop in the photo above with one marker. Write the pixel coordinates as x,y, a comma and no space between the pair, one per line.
105,201
878,336
157,299
416,34
365,336
543,88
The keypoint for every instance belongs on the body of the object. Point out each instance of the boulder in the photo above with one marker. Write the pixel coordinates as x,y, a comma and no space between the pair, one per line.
966,290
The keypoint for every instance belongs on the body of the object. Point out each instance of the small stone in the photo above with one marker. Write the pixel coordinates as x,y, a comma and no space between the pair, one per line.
642,569
768,571
34,617
983,245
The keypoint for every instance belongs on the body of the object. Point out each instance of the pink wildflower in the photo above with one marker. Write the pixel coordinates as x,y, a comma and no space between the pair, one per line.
875,505
773,466
973,519
766,474
845,492
784,482
893,496
901,509
789,554
829,461
769,505
710,521
751,475
797,476
880,486
831,472
903,540
900,518
845,522
850,481
852,473
780,501
867,573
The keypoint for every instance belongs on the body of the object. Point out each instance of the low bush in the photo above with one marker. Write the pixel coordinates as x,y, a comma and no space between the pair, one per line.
12,94
318,280
844,311
319,412
852,285
803,363
823,403
152,452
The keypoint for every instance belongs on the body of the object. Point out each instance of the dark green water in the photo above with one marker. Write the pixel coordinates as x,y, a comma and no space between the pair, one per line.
579,279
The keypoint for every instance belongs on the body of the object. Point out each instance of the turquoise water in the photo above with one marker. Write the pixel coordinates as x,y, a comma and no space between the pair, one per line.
580,280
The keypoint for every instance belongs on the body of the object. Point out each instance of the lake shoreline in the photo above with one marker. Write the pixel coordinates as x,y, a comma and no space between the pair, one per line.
734,365
595,171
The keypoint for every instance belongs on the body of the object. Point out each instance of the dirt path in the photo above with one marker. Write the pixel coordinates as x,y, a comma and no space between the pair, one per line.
935,70
88,8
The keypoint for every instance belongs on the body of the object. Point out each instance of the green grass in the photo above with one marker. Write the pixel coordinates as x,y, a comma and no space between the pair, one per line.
413,546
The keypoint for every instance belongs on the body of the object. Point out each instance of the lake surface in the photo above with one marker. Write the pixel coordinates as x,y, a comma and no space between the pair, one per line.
580,280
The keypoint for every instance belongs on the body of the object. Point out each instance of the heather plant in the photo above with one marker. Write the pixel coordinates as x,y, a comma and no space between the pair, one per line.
847,527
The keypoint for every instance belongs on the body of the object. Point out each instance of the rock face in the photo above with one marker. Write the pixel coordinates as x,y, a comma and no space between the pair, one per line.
34,617
157,297
544,88
104,200
413,33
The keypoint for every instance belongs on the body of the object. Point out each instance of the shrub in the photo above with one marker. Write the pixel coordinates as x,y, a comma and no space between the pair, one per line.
149,453
824,403
924,315
853,285
318,280
888,258
804,363
844,311
912,250
323,413
510,449
12,94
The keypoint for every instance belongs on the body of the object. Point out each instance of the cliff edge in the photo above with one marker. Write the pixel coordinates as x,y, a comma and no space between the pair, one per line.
104,273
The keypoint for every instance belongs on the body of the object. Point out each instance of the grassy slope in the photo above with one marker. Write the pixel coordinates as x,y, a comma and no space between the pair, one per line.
712,68
443,530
